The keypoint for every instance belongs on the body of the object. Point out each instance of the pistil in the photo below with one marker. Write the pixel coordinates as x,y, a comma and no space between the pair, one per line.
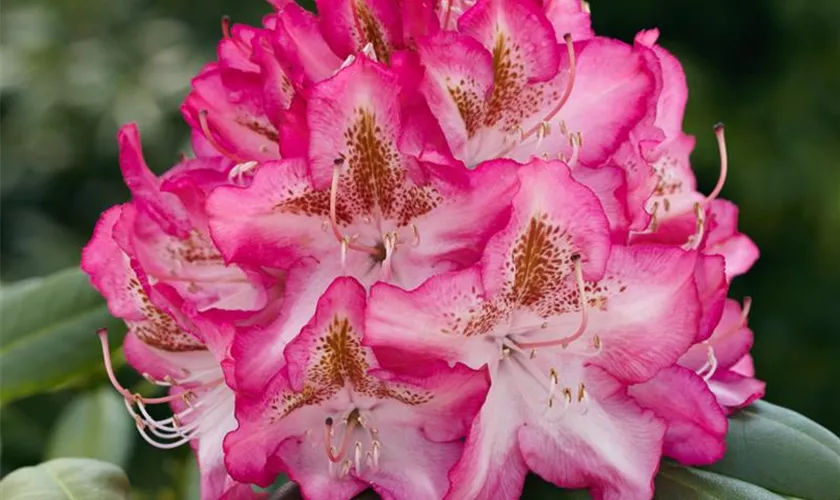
584,319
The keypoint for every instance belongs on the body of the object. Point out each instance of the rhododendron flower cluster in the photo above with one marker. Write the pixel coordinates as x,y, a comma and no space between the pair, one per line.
425,248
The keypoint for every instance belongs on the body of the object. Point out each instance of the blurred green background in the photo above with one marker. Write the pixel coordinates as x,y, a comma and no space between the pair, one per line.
72,72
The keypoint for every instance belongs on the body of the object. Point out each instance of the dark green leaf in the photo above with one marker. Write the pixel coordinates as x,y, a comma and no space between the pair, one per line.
67,479
94,425
782,451
538,489
48,333
684,483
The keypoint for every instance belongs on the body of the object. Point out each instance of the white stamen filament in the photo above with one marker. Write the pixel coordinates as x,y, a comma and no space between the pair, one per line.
694,240
169,428
238,172
358,457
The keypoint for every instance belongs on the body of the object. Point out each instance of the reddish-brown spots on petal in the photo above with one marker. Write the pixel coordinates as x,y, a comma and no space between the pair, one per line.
262,127
514,99
312,203
195,249
159,330
470,104
339,361
540,261
372,32
375,183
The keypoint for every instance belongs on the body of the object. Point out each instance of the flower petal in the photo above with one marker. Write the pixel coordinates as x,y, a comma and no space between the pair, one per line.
235,115
612,93
569,16
613,448
457,82
696,423
273,222
301,47
348,25
734,390
647,312
164,208
437,319
491,465
554,217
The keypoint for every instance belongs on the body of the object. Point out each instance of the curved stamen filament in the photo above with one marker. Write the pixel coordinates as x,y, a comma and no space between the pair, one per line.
344,240
711,364
694,240
238,172
416,241
576,140
742,322
745,311
168,428
335,456
390,244
584,319
540,127
109,369
721,140
226,28
226,33
357,456
208,134
141,428
334,200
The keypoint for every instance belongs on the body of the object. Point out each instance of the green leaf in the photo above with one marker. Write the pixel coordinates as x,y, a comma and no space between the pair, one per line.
675,481
67,478
538,489
782,451
94,425
48,333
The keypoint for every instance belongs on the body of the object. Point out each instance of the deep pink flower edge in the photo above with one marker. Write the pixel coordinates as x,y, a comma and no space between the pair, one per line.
426,248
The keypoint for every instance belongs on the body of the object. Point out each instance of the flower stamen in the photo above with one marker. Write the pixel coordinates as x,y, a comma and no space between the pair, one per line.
226,33
584,319
238,172
166,429
342,239
694,240
721,140
540,127
334,455
208,134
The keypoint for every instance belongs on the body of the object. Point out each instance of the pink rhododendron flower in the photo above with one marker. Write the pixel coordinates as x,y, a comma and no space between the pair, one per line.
337,423
359,207
154,262
426,247
562,321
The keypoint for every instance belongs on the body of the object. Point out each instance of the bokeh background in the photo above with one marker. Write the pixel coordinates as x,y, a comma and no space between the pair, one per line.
72,72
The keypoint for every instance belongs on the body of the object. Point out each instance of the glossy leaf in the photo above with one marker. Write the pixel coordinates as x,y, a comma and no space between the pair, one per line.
782,451
67,479
94,425
47,336
675,481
